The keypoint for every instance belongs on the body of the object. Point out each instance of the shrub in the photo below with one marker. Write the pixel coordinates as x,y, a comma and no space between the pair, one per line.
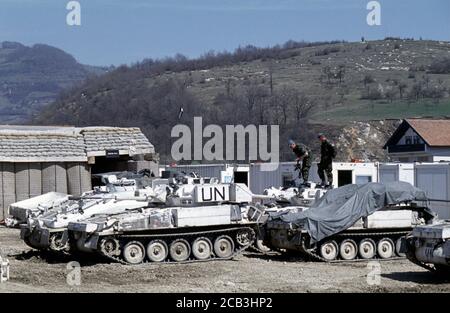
440,66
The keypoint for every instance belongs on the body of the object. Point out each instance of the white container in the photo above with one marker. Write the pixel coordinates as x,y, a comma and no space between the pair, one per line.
434,179
392,172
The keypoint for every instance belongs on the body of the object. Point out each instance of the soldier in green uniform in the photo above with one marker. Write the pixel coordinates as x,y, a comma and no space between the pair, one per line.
303,154
327,154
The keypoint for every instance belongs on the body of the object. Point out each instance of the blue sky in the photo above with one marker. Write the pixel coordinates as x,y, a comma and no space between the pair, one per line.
121,32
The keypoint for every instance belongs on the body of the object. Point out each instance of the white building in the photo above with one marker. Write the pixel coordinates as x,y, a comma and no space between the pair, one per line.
420,140
433,178
38,159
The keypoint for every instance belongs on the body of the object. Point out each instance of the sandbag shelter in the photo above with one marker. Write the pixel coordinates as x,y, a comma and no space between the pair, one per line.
38,159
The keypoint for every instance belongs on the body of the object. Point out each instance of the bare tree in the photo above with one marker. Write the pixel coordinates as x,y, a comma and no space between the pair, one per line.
271,69
367,80
284,101
340,73
391,93
228,87
401,89
262,109
326,70
254,95
302,105
275,110
416,91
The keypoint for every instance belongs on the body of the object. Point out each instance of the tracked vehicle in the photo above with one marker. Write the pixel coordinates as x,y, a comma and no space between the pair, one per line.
429,246
47,216
108,183
198,222
351,222
296,196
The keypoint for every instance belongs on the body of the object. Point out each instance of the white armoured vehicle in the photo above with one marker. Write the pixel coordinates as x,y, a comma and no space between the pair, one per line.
44,219
199,220
429,246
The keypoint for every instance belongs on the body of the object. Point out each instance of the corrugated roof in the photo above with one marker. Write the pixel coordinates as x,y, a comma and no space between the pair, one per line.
68,144
435,133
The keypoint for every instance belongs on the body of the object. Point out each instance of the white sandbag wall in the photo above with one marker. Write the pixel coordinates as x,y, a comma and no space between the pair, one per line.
21,181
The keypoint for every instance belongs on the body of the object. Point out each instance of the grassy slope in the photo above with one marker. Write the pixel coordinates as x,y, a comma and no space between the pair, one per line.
32,77
304,72
364,110
338,104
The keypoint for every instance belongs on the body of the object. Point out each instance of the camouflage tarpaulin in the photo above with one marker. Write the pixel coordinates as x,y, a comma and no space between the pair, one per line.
340,208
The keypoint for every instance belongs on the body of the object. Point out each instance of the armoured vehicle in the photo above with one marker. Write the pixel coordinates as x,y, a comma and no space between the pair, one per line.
293,196
108,183
351,222
429,246
198,221
47,216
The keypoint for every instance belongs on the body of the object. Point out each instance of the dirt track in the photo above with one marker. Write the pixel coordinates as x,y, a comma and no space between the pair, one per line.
33,272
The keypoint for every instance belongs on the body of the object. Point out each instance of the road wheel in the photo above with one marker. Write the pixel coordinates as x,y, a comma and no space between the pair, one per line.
385,248
134,252
245,237
224,247
202,248
180,250
329,250
348,250
56,242
367,249
110,246
157,251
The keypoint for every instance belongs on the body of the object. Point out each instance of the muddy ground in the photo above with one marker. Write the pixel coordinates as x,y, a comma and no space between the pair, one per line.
33,272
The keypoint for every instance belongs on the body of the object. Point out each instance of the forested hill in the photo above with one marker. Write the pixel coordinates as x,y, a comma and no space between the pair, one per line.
32,77
302,87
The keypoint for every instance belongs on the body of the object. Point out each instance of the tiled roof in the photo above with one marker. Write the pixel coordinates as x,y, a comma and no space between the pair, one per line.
68,144
434,132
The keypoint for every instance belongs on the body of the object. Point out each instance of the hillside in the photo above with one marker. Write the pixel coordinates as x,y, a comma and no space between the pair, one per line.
304,88
32,77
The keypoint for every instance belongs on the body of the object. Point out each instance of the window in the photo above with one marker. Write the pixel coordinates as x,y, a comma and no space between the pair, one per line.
363,179
344,177
408,140
241,177
416,140
424,159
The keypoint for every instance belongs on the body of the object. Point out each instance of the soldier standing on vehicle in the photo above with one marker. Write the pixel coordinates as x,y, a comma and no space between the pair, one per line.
303,154
327,154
